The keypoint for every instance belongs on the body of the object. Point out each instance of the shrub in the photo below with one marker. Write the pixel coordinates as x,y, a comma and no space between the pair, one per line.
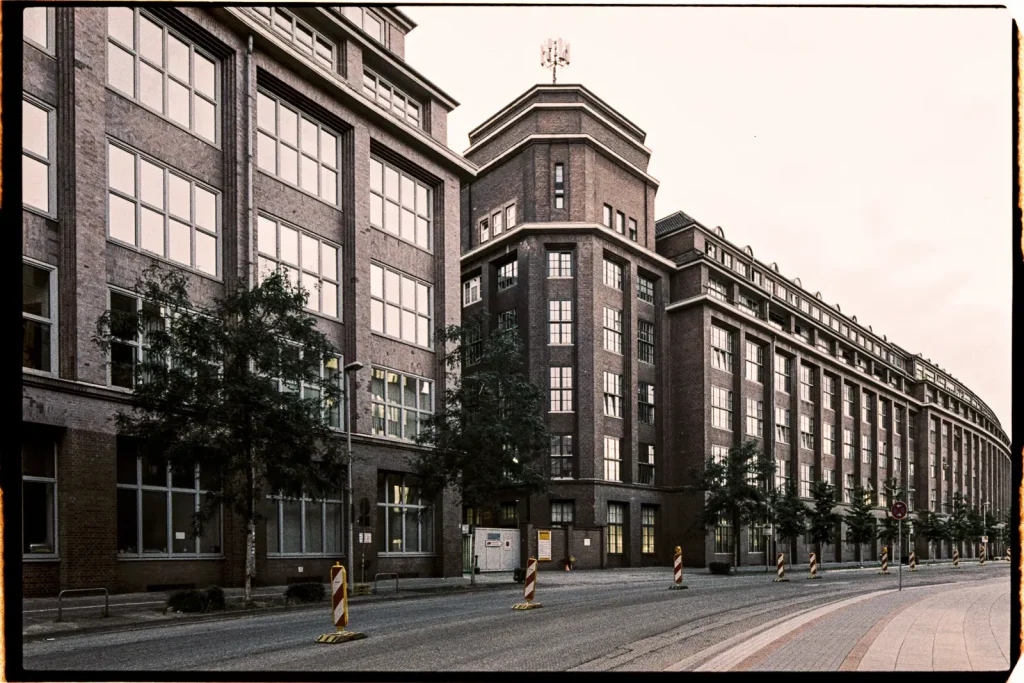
719,567
305,592
215,597
187,600
519,575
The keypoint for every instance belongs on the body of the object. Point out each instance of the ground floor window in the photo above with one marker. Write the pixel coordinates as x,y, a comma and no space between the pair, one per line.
305,526
648,515
755,538
39,497
616,522
723,536
156,505
562,511
405,520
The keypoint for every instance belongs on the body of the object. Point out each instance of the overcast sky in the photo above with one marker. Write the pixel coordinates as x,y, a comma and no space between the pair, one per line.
867,151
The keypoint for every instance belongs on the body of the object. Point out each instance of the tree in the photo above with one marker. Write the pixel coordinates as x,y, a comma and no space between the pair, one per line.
860,522
931,526
975,526
889,527
958,525
789,514
246,388
734,489
822,518
488,432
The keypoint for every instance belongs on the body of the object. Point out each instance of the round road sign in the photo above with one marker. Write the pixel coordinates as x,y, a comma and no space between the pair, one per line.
899,509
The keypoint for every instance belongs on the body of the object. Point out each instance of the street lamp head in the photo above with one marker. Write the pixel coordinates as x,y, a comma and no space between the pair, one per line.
353,366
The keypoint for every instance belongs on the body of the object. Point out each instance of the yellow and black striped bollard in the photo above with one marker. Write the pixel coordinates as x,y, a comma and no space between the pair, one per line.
814,567
956,558
982,555
885,560
780,566
913,562
1007,554
677,565
339,607
530,587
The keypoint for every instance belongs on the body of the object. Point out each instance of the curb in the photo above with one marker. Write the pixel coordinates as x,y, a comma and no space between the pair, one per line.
408,594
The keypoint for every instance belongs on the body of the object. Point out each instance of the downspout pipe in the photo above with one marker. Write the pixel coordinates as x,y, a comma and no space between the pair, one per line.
251,264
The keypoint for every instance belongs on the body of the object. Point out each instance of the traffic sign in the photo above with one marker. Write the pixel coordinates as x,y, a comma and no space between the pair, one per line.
899,509
984,539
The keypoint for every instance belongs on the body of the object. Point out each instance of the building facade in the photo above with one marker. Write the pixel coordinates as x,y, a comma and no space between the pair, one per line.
662,344
224,142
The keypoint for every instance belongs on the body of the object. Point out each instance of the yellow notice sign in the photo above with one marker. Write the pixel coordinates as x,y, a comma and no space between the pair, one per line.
543,546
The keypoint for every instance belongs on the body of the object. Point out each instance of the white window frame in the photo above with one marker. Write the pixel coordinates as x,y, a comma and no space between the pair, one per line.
422,210
645,289
402,306
48,18
782,425
560,385
49,161
721,356
648,529
645,336
407,508
56,508
613,330
510,278
269,15
755,418
374,86
721,415
560,262
613,276
560,322
807,432
471,291
612,458
53,321
612,394
753,362
297,272
278,501
387,406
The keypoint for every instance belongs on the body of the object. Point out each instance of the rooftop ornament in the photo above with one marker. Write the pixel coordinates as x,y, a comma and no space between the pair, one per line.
554,54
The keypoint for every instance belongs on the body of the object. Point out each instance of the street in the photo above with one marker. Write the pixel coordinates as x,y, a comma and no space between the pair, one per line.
742,622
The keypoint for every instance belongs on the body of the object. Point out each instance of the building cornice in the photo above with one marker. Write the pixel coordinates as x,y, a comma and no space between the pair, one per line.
547,228
568,87
353,97
557,105
569,137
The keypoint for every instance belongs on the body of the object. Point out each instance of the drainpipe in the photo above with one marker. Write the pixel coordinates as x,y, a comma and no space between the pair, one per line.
770,484
250,267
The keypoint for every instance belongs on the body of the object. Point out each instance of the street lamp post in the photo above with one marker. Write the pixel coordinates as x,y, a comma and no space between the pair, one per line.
349,369
984,532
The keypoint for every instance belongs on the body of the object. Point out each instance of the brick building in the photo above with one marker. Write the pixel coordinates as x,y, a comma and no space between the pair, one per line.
662,344
223,142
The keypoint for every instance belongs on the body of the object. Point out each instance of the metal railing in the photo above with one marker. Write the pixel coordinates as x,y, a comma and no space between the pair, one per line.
379,574
106,600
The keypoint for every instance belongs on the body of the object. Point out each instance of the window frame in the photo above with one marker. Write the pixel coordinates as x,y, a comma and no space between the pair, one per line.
563,375
645,403
402,408
613,394
562,506
615,530
755,418
49,19
648,529
506,282
557,259
613,271
295,23
53,321
471,293
388,104
645,336
721,356
53,481
721,414
405,484
645,289
301,270
50,162
402,308
612,330
560,327
562,452
632,227
278,502
559,185
380,193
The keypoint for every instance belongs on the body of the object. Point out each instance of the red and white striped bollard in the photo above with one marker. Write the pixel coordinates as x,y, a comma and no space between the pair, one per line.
677,563
339,609
530,587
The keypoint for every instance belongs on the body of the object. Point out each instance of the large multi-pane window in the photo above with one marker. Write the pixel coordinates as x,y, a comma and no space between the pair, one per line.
848,444
562,511
400,204
303,526
38,497
865,449
848,400
897,419
162,70
755,537
646,464
717,289
392,99
754,362
297,148
721,348
612,394
560,264
508,275
848,488
645,393
400,403
405,517
37,152
648,515
38,318
645,341
721,408
299,34
365,19
399,306
560,321
867,404
612,274
807,432
806,480
129,344
612,458
507,320
561,456
561,389
782,425
330,370
829,386
471,291
612,330
162,211
806,383
829,438
781,474
723,535
720,456
783,371
37,26
304,259
645,289
155,507
616,523
755,418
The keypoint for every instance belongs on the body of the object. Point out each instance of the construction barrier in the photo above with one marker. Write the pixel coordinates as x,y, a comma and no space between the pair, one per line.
1007,554
913,562
956,558
339,607
530,587
780,565
677,563
814,567
982,555
885,560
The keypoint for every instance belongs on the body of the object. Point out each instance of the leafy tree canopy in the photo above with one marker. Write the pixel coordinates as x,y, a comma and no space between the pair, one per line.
860,522
822,518
790,513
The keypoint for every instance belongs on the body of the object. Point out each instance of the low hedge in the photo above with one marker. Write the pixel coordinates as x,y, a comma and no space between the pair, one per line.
305,592
723,568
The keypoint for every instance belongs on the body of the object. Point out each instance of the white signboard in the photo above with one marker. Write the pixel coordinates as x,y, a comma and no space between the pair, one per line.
984,539
544,546
586,541
365,538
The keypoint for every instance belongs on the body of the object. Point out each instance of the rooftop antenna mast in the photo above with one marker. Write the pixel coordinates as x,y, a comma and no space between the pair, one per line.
554,54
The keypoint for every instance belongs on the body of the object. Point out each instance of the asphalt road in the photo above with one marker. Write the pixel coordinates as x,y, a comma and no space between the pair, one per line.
639,626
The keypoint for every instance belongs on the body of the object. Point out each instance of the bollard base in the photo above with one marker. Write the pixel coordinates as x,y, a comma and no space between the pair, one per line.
780,580
814,577
527,605
677,587
340,637
885,572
